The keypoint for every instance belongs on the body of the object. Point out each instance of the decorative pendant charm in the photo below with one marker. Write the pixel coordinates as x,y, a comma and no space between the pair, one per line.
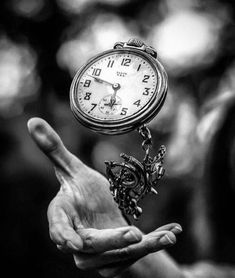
131,179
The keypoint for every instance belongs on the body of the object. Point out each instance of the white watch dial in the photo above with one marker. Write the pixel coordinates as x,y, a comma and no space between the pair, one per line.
116,86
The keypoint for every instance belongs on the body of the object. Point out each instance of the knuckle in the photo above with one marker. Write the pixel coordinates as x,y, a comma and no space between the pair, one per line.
89,243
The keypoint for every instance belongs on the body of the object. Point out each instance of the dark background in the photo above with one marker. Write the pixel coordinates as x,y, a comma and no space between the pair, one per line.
42,44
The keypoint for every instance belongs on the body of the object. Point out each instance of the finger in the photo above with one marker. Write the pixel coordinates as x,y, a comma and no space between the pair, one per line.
117,268
65,238
61,230
150,243
97,241
50,143
173,227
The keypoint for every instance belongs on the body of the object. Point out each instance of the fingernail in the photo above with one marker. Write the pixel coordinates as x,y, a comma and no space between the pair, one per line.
166,240
132,236
177,229
72,246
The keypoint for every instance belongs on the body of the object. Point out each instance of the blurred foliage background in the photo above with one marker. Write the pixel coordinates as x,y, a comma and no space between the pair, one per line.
42,44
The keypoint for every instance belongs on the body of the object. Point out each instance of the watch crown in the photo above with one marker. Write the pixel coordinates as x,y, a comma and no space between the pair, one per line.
135,42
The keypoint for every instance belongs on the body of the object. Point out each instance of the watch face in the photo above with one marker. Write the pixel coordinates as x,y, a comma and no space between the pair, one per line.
115,87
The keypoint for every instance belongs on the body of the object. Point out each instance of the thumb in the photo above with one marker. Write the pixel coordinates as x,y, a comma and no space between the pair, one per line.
50,143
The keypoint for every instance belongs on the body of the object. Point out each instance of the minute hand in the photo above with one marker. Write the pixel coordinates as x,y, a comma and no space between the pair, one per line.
100,80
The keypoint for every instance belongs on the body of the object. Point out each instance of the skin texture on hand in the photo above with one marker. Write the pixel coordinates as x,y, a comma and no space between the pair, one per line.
83,218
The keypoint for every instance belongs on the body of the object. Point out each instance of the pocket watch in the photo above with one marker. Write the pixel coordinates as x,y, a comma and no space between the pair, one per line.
115,92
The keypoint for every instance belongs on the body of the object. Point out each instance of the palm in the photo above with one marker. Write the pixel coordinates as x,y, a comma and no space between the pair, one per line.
86,199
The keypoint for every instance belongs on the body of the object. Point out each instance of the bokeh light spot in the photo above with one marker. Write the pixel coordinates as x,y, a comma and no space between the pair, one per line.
18,80
187,39
103,32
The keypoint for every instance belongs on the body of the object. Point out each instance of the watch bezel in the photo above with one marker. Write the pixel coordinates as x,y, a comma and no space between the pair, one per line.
134,121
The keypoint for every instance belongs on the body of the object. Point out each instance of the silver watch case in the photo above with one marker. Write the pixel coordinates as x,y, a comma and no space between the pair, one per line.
114,127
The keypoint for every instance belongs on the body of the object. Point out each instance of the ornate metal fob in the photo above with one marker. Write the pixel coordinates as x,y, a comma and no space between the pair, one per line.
131,180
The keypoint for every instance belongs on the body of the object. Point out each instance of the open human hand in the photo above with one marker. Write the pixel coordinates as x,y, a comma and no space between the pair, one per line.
83,218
